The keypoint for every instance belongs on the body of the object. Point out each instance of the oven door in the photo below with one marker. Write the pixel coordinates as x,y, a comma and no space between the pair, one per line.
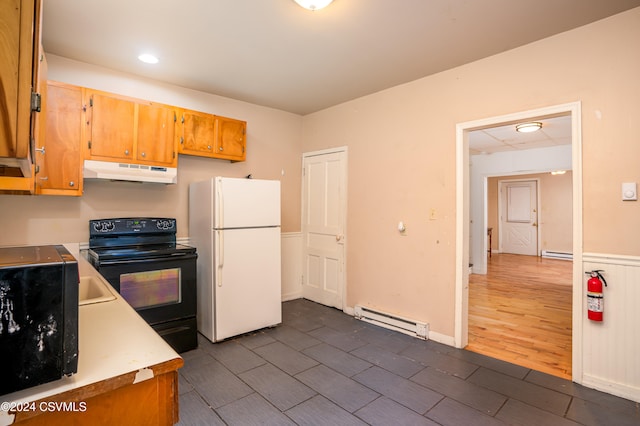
159,289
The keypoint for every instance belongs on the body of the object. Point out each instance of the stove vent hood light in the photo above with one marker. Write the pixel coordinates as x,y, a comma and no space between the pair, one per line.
129,172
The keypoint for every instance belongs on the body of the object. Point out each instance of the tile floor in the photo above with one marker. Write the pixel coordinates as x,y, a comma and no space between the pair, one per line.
323,367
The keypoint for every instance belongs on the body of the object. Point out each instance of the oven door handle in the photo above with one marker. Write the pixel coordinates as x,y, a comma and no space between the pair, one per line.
147,260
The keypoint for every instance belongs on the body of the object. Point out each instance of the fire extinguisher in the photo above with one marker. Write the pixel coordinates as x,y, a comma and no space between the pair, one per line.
595,297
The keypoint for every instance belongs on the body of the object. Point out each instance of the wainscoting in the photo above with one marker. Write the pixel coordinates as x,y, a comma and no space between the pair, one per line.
291,265
611,348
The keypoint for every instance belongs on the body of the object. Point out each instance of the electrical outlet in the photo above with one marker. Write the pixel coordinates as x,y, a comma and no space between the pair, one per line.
432,214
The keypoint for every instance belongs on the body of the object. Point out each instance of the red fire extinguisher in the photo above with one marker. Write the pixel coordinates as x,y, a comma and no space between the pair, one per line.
595,297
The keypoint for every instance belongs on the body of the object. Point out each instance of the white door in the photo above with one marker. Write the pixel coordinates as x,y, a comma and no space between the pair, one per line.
323,226
247,280
519,217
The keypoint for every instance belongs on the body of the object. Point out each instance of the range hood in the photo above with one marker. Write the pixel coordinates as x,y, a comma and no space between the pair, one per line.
129,172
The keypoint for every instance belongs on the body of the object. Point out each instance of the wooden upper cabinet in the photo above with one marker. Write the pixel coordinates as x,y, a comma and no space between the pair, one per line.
209,135
59,157
196,133
231,139
124,129
20,22
17,70
110,121
156,140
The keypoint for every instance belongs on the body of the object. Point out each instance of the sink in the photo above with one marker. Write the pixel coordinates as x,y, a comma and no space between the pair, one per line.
94,290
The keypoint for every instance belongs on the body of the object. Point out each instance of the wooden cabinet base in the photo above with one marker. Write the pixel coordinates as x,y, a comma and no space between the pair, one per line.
116,401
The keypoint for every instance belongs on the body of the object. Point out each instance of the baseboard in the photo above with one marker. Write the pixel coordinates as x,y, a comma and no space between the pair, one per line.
617,389
291,296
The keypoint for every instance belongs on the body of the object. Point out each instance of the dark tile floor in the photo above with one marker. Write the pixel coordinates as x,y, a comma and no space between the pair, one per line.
323,367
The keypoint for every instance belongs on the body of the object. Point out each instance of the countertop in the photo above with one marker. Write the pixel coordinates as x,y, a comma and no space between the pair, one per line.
113,340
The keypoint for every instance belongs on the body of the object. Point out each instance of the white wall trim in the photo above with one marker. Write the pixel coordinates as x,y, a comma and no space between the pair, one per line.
613,259
614,388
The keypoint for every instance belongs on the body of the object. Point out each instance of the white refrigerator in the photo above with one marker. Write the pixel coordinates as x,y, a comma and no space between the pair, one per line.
235,226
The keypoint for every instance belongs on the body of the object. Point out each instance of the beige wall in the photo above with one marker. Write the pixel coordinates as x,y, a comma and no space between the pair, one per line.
401,145
273,145
555,193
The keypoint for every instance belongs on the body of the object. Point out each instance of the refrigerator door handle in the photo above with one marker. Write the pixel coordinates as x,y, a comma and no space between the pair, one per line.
220,262
220,203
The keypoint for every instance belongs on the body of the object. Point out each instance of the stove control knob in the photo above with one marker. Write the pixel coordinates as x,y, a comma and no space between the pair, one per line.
104,226
164,224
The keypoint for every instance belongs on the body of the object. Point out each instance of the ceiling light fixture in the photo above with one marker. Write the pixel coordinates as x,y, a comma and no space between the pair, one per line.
559,172
528,127
148,58
314,4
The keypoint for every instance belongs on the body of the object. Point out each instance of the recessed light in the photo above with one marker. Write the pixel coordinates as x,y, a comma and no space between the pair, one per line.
148,58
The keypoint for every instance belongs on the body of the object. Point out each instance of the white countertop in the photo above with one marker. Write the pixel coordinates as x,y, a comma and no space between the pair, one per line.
112,340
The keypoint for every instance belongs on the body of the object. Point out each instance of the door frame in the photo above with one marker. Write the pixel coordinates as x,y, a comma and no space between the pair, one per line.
343,196
502,182
461,311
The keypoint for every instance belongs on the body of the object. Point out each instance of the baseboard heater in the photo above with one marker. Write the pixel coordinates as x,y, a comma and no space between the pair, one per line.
557,254
392,322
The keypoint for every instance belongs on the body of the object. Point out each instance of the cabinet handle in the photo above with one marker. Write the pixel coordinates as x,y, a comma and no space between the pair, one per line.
126,152
72,184
221,149
40,150
209,147
44,178
143,155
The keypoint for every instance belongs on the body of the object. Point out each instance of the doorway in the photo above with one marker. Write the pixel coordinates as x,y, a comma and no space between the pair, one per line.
472,230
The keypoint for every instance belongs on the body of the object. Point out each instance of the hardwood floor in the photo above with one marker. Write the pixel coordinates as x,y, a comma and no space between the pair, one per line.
520,312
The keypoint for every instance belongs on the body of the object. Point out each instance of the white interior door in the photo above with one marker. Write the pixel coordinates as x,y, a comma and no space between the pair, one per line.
323,226
519,217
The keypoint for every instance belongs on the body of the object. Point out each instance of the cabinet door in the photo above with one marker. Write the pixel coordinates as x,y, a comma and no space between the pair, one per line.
19,33
198,134
111,127
17,19
156,141
59,159
231,139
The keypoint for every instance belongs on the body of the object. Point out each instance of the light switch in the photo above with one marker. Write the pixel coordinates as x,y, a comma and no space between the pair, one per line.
629,191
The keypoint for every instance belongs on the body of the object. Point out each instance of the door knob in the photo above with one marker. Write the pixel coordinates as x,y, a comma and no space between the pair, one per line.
534,224
339,237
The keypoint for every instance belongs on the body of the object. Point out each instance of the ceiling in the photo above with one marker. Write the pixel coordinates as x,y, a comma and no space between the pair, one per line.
276,54
554,131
